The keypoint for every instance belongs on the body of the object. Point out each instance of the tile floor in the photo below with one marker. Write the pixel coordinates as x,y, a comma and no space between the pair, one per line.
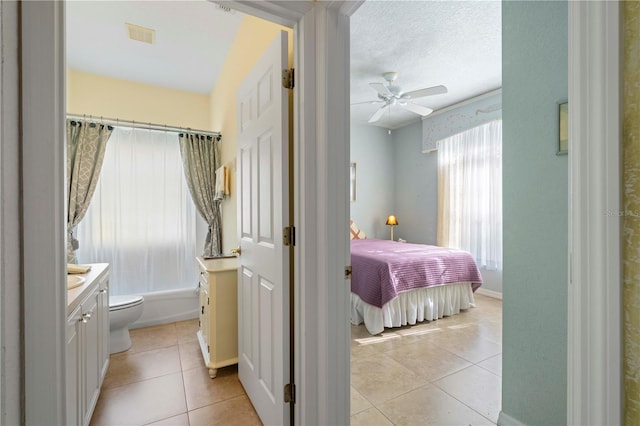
445,372
161,380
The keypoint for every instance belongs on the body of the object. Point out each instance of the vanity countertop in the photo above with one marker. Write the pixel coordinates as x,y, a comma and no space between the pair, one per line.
218,265
76,295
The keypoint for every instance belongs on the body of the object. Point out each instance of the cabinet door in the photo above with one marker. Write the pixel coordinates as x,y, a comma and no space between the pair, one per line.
74,396
90,345
224,305
204,320
103,328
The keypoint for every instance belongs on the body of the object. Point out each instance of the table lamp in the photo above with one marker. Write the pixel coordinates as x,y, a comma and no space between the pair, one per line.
392,221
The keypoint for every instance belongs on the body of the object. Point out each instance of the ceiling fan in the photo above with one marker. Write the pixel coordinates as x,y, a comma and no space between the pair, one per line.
390,94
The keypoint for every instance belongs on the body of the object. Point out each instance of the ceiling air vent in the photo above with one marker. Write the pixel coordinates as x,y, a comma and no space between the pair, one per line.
225,8
138,33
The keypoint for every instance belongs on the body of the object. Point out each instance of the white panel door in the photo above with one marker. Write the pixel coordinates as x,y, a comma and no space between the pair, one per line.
263,272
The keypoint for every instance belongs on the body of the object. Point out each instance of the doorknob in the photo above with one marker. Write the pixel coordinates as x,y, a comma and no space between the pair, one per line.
237,251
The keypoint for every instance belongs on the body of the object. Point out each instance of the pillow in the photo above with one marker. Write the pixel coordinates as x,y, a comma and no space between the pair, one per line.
355,232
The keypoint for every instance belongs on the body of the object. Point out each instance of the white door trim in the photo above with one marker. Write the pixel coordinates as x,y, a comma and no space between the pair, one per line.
43,216
10,220
594,324
322,215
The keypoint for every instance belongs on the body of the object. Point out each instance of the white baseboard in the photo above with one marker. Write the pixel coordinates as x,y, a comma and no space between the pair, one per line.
489,293
507,420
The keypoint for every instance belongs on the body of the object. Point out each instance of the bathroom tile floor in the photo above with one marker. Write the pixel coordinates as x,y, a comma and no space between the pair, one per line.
444,372
161,380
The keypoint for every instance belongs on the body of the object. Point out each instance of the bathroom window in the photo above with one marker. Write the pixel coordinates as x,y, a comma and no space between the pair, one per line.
141,219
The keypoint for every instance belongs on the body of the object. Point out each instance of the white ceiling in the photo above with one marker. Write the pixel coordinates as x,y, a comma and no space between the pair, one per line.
453,43
192,41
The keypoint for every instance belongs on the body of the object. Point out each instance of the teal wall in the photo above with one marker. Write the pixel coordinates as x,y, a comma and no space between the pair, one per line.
535,200
372,151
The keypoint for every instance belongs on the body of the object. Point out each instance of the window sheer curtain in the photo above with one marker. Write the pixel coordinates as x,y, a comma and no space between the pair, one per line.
470,193
141,219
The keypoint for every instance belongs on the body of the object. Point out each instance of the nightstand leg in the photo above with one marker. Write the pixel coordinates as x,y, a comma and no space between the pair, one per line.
213,372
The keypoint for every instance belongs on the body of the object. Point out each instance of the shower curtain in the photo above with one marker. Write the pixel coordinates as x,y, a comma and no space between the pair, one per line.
142,219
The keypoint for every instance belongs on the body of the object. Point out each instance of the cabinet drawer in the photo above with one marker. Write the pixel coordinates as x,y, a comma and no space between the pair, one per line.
204,280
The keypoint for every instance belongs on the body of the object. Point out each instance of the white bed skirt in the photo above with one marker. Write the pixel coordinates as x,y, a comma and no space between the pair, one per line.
413,306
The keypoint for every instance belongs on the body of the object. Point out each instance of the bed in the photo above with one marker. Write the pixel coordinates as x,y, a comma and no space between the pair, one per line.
395,284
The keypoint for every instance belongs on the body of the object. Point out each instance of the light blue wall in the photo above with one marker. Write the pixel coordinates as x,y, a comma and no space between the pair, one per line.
416,187
372,151
535,199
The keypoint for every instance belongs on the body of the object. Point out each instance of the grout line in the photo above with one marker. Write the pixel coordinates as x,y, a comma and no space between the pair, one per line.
464,403
184,389
384,415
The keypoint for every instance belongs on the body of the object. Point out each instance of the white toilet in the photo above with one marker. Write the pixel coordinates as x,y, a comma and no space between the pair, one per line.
123,311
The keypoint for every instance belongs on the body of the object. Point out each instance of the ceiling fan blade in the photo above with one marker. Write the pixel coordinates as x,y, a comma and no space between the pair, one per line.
381,88
435,90
367,102
418,109
376,115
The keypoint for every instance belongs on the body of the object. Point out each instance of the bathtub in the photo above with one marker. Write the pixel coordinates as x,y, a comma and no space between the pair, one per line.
163,307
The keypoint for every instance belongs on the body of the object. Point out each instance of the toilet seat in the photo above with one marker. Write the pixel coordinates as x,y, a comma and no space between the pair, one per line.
117,303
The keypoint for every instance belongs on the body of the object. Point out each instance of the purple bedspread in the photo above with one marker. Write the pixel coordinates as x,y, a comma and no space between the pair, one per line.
384,268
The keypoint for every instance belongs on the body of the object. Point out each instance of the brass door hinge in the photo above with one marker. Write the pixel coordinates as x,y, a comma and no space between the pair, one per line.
288,78
289,235
290,393
347,272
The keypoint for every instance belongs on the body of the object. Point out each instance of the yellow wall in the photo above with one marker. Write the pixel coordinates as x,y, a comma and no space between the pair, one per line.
113,98
631,204
97,95
252,39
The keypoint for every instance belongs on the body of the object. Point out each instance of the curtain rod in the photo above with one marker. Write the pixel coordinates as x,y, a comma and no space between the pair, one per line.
141,125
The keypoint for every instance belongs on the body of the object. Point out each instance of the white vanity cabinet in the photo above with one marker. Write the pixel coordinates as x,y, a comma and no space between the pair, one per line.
103,325
218,330
74,367
87,344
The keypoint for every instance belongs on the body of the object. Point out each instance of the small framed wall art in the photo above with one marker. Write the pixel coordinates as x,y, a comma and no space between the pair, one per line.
563,128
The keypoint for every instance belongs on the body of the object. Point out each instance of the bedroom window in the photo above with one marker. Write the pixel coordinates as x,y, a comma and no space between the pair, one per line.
141,219
470,193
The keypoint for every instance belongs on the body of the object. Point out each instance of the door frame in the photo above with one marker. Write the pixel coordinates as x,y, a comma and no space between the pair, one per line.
594,328
321,128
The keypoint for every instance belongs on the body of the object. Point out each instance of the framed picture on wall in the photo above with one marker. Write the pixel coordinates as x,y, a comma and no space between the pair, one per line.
352,182
563,128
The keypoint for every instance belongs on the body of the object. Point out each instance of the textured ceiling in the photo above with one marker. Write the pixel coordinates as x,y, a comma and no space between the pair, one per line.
457,44
429,43
192,41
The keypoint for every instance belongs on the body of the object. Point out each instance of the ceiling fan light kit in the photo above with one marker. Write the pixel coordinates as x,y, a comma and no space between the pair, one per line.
390,94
